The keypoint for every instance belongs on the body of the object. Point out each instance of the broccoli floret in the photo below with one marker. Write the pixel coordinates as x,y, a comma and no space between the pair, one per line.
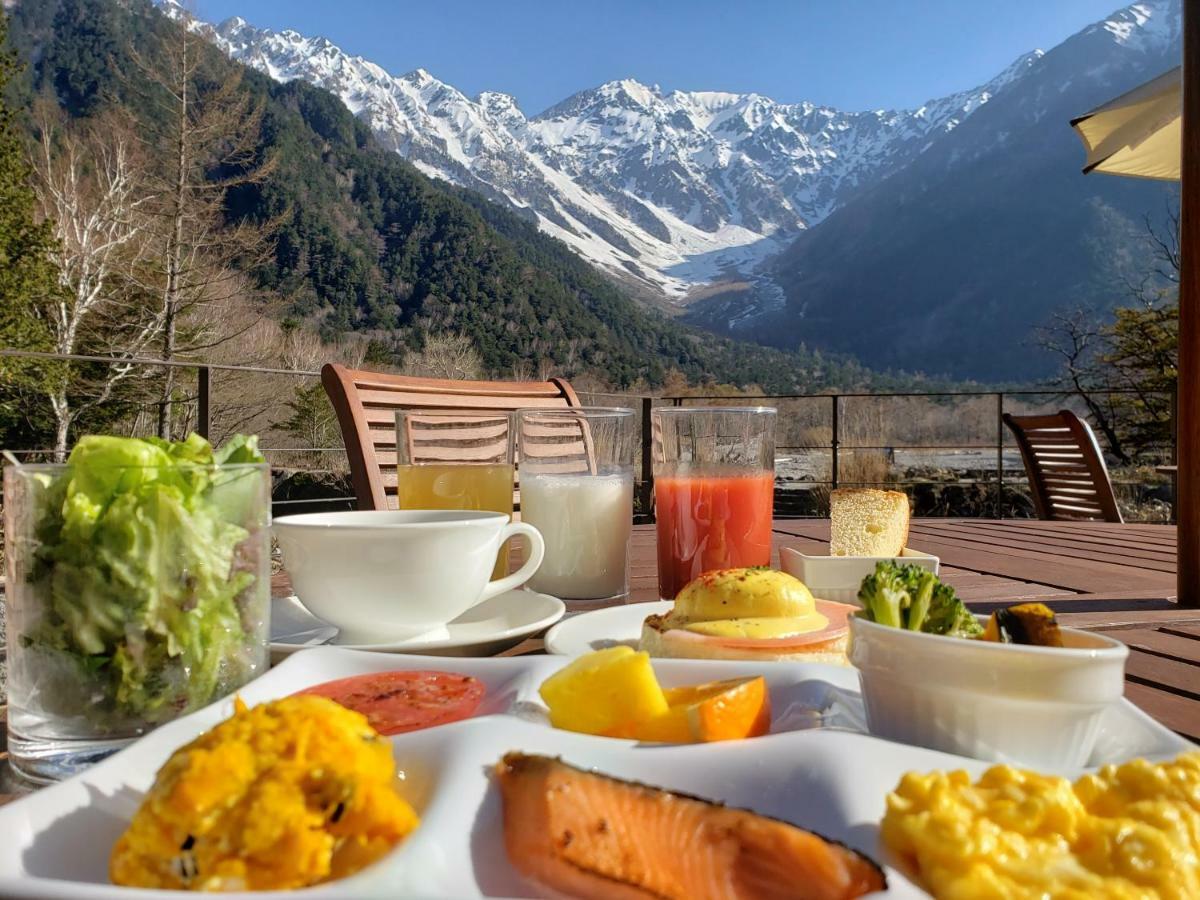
911,597
922,585
886,594
949,615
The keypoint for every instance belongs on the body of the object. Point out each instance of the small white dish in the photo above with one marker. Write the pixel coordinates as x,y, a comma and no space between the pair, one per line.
838,578
602,628
489,627
1032,706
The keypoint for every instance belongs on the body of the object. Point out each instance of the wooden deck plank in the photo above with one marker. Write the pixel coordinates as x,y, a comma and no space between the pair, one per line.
1110,551
1191,631
1162,643
1055,571
1164,544
1002,593
957,549
1176,676
1180,714
1097,545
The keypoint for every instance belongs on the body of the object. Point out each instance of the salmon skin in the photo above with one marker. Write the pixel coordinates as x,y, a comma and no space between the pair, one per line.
587,835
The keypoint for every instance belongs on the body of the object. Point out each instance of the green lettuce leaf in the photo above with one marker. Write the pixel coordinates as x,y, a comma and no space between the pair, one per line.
141,576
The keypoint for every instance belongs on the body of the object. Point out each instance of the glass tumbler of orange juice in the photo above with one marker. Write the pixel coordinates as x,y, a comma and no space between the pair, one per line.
714,485
456,459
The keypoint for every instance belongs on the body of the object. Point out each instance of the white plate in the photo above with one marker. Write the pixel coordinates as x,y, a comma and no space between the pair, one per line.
810,770
57,840
1125,731
492,626
601,628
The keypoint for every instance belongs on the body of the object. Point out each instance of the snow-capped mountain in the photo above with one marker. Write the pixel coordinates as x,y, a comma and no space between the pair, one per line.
671,190
933,239
953,264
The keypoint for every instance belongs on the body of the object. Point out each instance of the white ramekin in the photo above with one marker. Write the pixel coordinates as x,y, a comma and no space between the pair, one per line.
1034,706
838,578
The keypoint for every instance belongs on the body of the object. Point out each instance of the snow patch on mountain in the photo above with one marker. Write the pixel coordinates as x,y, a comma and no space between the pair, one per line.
670,190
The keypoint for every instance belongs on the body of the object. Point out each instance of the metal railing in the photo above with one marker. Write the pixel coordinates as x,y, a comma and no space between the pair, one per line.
837,445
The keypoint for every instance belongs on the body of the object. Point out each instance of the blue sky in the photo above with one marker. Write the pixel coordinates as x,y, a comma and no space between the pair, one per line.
852,54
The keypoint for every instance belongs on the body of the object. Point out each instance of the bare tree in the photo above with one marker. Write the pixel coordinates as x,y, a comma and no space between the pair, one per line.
1124,369
203,141
446,355
87,185
1078,339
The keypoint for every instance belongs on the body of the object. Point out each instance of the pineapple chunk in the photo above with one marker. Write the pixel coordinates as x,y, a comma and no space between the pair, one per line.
604,692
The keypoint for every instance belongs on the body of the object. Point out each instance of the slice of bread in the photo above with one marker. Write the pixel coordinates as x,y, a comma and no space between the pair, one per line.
658,641
868,522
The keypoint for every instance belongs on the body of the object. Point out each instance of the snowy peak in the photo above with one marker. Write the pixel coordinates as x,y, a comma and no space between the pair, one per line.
668,190
1149,26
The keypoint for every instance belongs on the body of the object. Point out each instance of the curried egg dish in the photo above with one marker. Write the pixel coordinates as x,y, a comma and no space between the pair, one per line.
1127,831
284,795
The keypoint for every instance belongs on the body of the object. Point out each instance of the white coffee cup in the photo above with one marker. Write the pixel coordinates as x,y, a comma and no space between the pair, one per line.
390,574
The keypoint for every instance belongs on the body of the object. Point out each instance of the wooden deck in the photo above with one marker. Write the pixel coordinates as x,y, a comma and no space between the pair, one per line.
1098,576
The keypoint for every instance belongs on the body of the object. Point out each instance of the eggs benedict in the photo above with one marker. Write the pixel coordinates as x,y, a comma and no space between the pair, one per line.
749,614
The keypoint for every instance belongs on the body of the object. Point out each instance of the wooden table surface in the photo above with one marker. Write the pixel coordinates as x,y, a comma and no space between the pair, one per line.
1098,576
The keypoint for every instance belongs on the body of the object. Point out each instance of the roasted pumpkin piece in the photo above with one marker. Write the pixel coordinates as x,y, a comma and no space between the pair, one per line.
1025,623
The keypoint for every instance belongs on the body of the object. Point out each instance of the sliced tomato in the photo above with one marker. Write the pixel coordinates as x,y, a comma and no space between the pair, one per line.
836,613
396,702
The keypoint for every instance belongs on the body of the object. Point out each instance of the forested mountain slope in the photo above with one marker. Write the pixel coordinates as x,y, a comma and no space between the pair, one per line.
365,242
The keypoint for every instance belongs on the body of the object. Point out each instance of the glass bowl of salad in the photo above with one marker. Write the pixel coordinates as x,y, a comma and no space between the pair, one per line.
138,590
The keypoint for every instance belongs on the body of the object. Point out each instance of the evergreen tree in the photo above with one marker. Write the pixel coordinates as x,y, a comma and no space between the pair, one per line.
26,271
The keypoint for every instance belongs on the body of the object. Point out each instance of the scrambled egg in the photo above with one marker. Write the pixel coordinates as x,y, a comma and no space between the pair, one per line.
1129,831
284,795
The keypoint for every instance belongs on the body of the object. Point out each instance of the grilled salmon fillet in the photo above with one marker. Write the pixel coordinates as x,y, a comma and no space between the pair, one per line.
588,835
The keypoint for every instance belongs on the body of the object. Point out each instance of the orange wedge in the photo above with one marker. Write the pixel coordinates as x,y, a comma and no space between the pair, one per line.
717,711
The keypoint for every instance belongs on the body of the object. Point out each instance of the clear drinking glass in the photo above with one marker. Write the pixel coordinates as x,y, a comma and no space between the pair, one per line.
714,484
456,459
577,490
127,613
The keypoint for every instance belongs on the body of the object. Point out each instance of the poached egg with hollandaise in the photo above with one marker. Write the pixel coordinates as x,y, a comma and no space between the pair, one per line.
749,614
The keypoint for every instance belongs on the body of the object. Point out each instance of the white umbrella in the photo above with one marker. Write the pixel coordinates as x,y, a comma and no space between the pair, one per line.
1139,132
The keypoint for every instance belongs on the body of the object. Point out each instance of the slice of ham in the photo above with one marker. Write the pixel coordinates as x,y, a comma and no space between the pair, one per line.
836,613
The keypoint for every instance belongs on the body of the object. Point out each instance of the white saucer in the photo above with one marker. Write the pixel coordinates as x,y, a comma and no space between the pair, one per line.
492,626
603,628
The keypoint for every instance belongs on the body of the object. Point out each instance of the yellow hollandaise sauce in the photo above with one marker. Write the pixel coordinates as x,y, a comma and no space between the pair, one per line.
761,628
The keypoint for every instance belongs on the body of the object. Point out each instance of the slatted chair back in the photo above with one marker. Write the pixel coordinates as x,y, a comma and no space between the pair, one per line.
558,445
1067,475
366,404
456,436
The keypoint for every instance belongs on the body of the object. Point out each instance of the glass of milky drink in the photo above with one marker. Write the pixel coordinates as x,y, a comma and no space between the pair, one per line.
576,473
456,459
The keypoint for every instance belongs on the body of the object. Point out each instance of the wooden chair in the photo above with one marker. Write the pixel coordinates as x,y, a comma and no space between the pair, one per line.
1067,475
366,405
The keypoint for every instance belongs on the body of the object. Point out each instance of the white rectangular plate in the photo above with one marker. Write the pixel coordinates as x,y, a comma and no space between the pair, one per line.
813,770
839,577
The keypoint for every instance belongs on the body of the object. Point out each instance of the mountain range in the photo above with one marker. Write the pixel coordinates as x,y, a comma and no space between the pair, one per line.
669,190
362,244
776,220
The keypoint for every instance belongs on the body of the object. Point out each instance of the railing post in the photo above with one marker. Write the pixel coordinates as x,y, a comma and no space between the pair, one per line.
647,501
1175,453
204,408
999,454
836,439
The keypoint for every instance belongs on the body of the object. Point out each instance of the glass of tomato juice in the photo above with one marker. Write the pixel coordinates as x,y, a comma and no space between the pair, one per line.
714,485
